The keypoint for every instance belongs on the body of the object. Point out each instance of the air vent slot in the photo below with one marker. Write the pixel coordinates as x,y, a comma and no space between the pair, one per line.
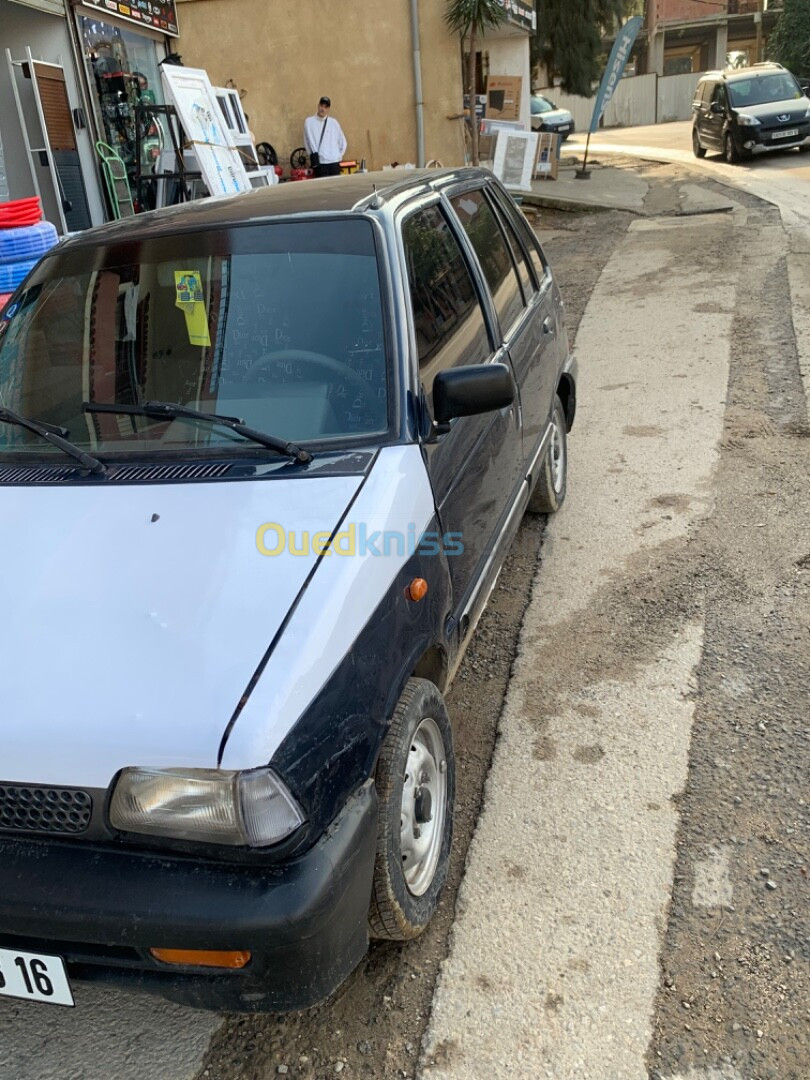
201,471
38,809
35,474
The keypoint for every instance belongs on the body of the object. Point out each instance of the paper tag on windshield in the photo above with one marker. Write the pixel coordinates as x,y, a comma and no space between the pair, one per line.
191,301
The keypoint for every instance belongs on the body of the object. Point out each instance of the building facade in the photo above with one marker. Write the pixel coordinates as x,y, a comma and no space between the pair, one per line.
75,74
284,55
687,36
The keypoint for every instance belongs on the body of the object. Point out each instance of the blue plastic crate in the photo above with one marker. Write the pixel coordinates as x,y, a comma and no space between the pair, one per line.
11,274
27,242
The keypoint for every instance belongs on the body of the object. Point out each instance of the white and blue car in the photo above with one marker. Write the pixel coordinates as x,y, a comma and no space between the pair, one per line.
261,459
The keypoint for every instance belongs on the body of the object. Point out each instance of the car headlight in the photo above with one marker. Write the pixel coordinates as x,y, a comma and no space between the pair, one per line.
214,806
744,120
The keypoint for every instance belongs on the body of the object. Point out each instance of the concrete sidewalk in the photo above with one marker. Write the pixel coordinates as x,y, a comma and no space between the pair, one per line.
610,187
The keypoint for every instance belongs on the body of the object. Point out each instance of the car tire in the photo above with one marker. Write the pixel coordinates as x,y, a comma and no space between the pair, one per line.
415,780
730,152
549,491
698,150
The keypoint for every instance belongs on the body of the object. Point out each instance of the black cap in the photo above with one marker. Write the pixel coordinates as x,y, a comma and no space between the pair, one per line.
325,101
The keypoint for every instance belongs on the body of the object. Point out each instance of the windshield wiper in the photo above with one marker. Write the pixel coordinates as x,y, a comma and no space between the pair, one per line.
168,410
55,436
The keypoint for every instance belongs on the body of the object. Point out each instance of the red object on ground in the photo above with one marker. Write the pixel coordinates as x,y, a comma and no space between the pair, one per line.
278,170
301,174
4,299
20,212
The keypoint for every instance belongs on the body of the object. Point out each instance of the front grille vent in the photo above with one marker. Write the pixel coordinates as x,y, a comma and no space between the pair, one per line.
203,470
47,474
33,474
37,809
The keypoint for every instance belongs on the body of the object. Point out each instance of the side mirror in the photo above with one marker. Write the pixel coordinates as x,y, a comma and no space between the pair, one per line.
468,391
716,108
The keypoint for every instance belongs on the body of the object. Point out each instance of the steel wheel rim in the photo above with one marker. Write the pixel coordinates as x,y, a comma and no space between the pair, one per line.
424,807
557,457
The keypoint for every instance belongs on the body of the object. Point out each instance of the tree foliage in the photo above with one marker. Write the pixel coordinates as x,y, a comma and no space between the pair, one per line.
789,43
470,19
569,39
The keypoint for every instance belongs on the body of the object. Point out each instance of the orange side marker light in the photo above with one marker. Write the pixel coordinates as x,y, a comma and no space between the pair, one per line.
417,590
202,957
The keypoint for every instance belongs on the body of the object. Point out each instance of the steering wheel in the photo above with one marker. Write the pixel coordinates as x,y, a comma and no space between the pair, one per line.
314,359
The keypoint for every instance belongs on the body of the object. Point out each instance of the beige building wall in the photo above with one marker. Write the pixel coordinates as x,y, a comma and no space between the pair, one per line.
286,53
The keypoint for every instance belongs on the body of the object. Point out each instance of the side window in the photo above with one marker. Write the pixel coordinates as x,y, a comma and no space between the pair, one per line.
508,225
447,313
719,94
481,226
525,231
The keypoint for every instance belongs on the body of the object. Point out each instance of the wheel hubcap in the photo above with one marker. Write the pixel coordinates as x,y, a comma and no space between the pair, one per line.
557,451
424,807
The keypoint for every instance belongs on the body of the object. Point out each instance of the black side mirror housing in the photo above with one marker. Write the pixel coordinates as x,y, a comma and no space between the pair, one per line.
716,108
471,390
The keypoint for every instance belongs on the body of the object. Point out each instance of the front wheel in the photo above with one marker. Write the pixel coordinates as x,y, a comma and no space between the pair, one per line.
698,150
730,152
415,781
549,491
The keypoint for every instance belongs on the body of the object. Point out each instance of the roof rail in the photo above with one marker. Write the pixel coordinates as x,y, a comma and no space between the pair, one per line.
769,63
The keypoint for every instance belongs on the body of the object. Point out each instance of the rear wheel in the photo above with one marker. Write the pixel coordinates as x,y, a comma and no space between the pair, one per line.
697,149
730,150
549,492
415,781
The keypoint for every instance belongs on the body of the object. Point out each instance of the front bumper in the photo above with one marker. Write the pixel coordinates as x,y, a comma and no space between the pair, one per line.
304,921
757,141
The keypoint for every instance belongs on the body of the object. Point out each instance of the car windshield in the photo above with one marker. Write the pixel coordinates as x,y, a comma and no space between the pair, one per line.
764,88
541,105
280,325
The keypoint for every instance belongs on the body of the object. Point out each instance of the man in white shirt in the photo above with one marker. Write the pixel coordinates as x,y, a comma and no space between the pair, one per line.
324,136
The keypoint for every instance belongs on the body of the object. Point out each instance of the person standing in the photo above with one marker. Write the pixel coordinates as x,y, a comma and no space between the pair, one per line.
324,138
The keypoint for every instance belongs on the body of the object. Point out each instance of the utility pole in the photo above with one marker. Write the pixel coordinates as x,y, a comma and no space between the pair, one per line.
758,21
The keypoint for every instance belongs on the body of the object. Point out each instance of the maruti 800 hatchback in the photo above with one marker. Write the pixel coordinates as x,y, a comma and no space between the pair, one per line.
261,459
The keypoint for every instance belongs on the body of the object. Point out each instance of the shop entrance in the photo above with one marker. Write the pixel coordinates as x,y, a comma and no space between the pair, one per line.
123,71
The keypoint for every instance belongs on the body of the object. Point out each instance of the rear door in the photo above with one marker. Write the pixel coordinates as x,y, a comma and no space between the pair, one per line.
474,468
523,304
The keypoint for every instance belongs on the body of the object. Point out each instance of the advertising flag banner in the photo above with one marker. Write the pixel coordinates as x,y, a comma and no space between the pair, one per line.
615,66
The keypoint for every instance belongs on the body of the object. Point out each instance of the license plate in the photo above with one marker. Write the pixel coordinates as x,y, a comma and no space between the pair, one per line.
34,977
785,134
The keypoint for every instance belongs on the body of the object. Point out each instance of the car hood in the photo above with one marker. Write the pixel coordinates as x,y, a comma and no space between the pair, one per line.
136,615
795,108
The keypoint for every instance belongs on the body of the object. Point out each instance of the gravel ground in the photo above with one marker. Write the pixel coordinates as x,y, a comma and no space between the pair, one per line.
735,990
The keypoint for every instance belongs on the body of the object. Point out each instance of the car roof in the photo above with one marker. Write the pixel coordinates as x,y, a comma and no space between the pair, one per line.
754,72
340,194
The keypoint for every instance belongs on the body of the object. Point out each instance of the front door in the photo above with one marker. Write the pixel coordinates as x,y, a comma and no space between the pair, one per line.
714,118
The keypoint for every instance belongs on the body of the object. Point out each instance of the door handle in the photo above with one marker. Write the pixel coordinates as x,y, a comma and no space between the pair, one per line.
548,325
